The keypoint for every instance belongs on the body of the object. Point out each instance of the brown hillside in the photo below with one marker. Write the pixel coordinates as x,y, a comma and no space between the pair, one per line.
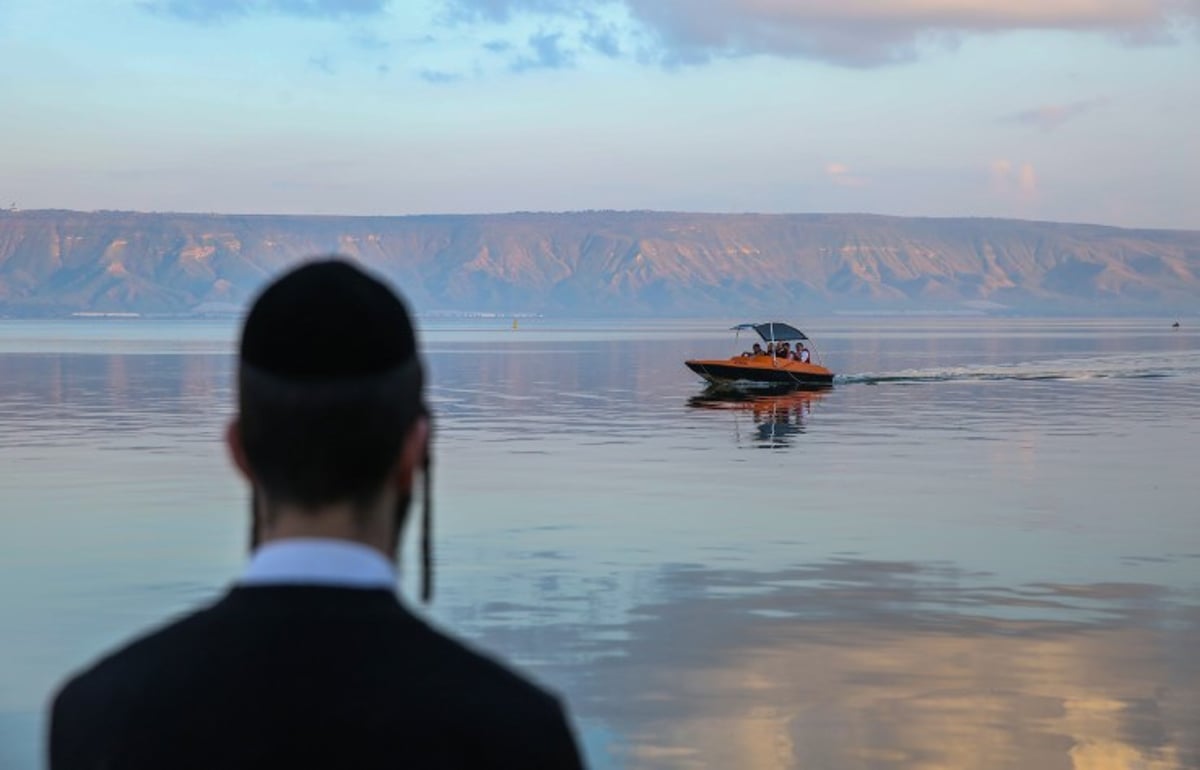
610,263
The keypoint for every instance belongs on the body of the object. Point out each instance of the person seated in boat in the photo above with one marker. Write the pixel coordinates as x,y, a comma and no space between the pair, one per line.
801,353
784,350
771,348
755,351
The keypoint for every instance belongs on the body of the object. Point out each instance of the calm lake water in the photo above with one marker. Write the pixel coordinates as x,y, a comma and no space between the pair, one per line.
980,549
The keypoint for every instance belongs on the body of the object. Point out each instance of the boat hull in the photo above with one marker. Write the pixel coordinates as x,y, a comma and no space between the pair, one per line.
761,370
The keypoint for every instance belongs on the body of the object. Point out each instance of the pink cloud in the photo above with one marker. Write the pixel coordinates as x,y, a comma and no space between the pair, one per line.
1050,116
839,174
1008,178
1027,180
856,33
1001,171
873,32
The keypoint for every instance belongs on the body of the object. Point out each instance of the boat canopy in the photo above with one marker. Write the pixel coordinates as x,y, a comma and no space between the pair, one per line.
773,331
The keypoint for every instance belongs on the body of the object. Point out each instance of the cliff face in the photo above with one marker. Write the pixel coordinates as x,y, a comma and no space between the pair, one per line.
600,263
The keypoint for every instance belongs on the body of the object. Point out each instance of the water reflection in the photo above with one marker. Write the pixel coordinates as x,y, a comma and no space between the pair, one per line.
775,416
867,664
74,400
998,558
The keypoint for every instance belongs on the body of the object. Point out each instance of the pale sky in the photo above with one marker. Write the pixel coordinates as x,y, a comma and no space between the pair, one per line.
1071,110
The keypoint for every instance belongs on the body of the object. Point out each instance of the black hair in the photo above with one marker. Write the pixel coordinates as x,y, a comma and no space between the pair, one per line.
311,444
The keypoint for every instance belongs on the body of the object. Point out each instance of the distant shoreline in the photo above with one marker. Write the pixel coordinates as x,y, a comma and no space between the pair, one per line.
604,264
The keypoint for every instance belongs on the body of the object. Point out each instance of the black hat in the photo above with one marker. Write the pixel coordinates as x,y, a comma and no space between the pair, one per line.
327,320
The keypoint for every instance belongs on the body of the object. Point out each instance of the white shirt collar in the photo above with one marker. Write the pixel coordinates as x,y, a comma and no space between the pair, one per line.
319,561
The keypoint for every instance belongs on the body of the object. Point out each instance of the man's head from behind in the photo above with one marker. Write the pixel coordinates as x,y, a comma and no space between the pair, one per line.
331,413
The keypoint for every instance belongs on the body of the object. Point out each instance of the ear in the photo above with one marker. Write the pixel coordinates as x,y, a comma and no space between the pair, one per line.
237,450
412,454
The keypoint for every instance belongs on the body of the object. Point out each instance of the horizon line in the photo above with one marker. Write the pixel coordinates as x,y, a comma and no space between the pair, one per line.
570,212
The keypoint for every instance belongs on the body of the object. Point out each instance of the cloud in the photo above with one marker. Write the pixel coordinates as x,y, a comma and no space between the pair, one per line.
1050,116
213,11
502,11
1008,178
1027,180
546,52
439,77
606,42
1001,172
366,40
839,174
322,62
857,33
869,32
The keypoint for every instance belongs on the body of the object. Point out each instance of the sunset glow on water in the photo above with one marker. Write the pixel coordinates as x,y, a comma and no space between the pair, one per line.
979,548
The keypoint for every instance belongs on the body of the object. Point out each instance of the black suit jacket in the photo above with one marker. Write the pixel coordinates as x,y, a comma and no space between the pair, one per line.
303,676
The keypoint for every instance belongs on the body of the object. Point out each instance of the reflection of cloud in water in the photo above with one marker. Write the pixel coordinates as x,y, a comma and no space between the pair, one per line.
129,401
874,665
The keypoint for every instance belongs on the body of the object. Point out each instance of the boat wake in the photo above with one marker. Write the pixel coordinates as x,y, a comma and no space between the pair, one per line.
1139,367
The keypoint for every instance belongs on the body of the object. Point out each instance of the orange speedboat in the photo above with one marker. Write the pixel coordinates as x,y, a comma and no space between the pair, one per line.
767,366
